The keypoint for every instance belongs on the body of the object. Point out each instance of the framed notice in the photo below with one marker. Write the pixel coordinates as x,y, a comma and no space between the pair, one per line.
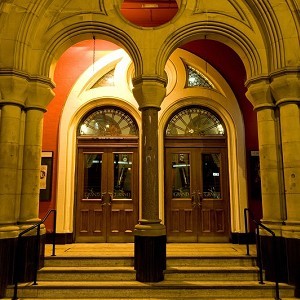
255,183
46,176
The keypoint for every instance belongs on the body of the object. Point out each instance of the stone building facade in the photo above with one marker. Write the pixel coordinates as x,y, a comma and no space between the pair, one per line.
150,128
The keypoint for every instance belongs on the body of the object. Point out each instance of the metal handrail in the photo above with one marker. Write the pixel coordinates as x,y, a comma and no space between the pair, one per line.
258,248
37,249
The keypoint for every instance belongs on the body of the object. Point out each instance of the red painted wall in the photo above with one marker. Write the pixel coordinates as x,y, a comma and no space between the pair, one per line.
69,67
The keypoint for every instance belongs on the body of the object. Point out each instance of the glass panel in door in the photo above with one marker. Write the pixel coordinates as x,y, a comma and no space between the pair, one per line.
180,175
92,175
211,175
122,176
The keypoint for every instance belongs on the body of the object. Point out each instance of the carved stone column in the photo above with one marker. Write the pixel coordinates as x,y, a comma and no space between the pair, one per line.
273,203
39,95
13,92
150,234
286,91
271,170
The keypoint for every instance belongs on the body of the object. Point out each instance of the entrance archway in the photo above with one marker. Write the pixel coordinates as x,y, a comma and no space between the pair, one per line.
196,177
107,170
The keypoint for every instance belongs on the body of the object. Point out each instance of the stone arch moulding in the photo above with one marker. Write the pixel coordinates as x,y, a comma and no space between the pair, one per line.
223,102
241,39
80,101
58,40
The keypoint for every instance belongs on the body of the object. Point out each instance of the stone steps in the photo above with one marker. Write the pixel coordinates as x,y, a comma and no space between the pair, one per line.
128,273
89,261
186,277
161,290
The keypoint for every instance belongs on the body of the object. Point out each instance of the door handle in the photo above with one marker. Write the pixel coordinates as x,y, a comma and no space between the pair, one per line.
109,198
200,197
106,199
103,202
193,199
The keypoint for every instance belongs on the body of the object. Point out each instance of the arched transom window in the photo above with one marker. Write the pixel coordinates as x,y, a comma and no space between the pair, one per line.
108,121
196,79
106,80
195,121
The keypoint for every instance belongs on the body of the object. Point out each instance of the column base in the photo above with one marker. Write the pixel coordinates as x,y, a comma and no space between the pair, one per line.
7,250
150,251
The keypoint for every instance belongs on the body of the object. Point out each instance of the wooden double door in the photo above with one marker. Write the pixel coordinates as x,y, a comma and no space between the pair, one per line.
107,195
196,194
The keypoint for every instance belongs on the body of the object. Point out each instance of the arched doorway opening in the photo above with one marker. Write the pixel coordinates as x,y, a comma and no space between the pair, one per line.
196,177
106,205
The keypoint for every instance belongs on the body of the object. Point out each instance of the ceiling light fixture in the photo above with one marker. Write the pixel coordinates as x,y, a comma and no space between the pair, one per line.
150,5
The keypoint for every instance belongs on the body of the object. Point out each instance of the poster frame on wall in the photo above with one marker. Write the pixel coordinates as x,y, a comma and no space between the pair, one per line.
46,176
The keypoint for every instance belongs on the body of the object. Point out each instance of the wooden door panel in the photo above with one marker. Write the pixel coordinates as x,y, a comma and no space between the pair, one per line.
89,211
84,221
181,221
203,215
115,221
123,215
220,220
215,197
206,221
181,225
98,221
174,222
129,220
107,198
122,221
187,223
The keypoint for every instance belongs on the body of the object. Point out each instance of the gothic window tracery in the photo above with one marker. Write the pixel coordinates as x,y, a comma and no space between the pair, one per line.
108,121
196,78
195,121
105,80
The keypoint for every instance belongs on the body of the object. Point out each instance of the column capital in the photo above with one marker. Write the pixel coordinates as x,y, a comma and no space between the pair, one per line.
13,87
259,94
20,88
40,93
285,87
149,91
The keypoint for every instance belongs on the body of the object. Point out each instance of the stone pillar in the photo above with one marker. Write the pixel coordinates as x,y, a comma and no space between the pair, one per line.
273,203
286,91
9,153
150,234
39,95
271,170
13,92
29,206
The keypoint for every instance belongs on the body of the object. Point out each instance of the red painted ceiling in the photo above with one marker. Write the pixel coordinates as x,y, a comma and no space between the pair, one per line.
149,13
